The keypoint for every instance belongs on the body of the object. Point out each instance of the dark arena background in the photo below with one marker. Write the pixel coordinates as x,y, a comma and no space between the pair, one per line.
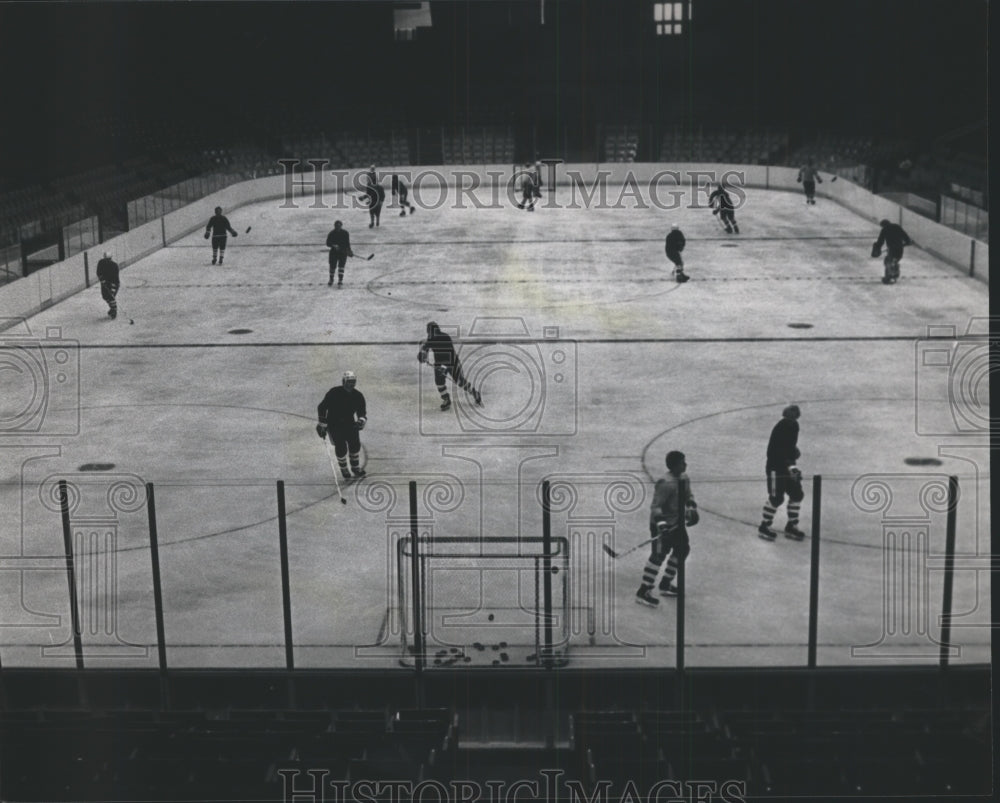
198,601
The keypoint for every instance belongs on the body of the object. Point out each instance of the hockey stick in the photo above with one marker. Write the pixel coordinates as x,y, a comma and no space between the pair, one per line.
365,258
336,470
628,551
121,309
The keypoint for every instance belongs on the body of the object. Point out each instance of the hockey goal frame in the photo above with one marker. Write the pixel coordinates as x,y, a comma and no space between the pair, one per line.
450,640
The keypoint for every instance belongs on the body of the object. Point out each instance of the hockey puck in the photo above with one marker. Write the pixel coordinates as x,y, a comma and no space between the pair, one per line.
490,618
131,322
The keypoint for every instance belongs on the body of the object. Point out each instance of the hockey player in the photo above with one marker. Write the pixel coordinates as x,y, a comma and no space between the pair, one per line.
722,205
342,415
107,275
808,176
783,476
217,227
536,177
673,246
672,512
527,189
895,239
399,189
375,198
445,363
339,243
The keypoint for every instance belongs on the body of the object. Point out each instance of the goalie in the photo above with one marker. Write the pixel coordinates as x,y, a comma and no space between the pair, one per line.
672,512
445,364
783,476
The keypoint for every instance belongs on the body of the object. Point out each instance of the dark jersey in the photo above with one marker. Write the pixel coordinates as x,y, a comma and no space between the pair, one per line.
339,240
721,199
342,408
671,496
219,225
894,237
398,185
443,348
675,241
374,196
107,270
782,448
808,173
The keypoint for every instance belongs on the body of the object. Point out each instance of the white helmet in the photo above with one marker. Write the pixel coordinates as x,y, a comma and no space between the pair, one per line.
348,380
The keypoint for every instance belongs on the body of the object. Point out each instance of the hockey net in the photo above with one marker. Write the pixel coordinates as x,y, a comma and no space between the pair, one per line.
486,602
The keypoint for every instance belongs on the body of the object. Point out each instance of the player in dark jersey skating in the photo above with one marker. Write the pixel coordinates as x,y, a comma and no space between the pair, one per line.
217,227
528,189
894,239
400,191
107,275
722,205
446,364
342,415
808,176
783,476
673,246
339,243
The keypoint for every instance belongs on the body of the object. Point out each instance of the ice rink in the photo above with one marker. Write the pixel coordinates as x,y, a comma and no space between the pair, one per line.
592,363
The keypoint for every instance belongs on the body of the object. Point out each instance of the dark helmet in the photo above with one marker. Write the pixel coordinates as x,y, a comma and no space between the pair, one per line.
791,411
883,223
674,459
218,210
337,224
432,327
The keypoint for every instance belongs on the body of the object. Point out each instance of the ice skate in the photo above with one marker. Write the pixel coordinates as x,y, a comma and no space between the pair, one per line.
793,532
644,596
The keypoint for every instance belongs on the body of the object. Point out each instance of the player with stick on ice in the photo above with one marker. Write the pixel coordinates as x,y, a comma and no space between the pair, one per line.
218,226
445,363
672,512
342,415
339,243
808,176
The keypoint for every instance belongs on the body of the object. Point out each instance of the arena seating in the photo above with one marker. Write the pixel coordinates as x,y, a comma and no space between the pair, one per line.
621,144
477,145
